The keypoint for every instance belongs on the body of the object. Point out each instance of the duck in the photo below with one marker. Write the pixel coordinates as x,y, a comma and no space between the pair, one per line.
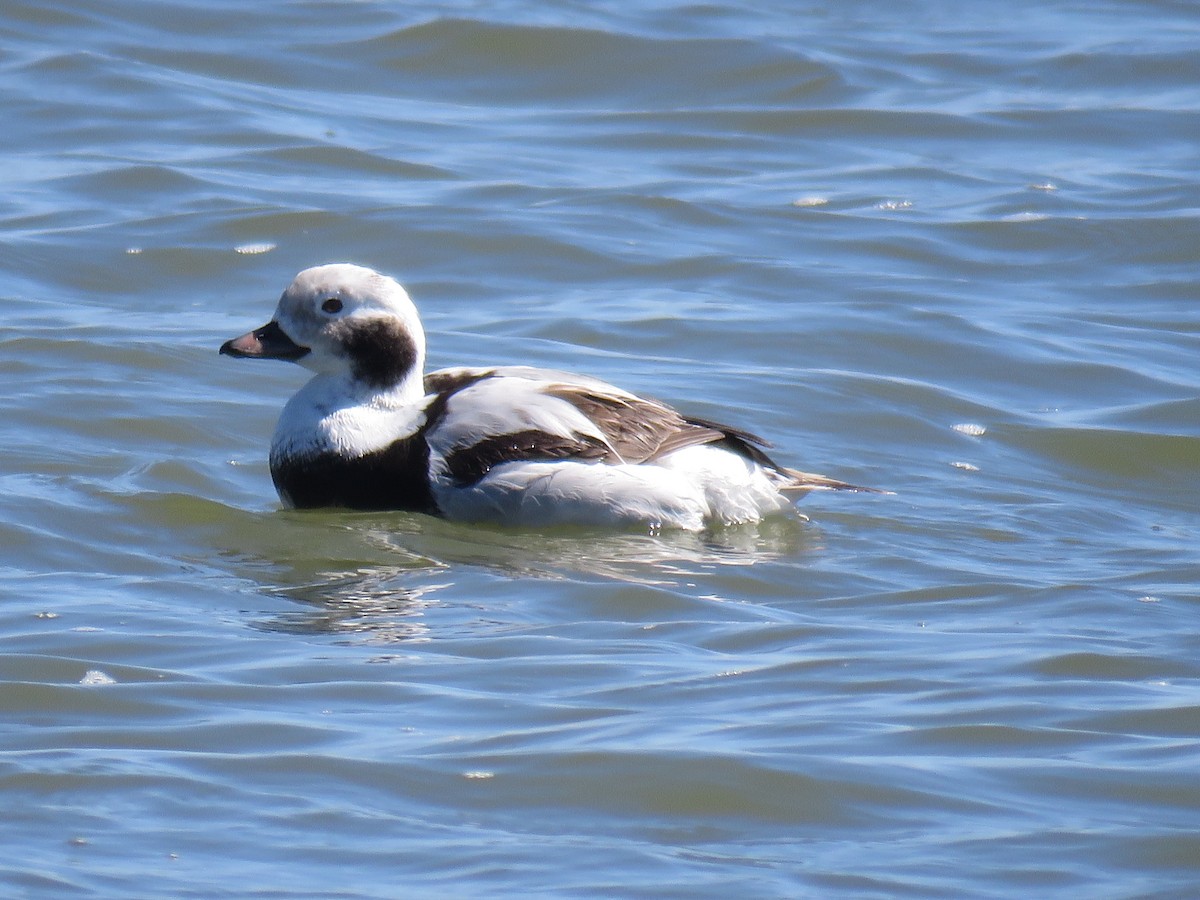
512,445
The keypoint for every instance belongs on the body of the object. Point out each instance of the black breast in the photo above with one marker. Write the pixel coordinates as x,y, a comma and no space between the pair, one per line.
395,477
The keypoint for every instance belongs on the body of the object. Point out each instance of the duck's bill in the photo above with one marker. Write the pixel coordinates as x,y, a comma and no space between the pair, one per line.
268,342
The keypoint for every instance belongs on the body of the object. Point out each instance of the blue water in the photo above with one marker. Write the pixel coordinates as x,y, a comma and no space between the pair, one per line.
948,250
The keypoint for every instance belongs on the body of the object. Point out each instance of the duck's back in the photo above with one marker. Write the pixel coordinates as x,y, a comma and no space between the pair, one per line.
536,446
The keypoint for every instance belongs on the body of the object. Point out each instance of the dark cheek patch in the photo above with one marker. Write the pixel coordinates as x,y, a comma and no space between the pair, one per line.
381,353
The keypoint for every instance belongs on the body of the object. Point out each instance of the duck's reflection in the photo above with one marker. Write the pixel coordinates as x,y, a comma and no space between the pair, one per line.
376,575
377,605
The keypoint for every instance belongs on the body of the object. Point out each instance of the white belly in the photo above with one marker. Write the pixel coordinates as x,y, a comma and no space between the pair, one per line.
687,489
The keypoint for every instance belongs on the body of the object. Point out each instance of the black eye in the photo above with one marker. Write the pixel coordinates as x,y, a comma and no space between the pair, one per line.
332,305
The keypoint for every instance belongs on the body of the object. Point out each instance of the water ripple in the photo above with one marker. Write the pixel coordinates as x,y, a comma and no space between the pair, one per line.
937,250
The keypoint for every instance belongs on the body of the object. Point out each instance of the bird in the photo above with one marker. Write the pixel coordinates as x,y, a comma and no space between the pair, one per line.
513,445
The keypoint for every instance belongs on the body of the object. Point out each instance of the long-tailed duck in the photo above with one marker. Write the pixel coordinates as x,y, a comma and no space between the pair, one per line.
509,444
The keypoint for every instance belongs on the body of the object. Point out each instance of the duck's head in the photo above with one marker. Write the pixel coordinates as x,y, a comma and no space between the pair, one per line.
342,319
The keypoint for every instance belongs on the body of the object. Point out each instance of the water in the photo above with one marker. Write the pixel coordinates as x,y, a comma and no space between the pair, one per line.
950,251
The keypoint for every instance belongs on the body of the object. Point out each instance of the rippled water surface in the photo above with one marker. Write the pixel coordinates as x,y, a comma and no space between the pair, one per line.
945,249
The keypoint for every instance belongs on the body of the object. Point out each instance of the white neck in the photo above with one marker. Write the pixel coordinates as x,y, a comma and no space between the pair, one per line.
335,413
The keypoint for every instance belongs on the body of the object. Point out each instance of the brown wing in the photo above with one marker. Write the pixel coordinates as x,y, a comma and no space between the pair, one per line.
469,464
631,429
447,381
637,429
640,430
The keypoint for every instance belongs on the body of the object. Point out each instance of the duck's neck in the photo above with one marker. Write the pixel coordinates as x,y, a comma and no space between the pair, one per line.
405,393
334,413
343,390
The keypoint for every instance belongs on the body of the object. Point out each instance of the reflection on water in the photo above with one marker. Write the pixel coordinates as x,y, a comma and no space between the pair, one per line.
371,604
632,556
358,593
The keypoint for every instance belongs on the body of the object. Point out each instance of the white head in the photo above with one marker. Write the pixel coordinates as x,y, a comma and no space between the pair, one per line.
343,320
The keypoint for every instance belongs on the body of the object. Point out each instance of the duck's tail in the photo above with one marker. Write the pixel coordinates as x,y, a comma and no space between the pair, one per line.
802,482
